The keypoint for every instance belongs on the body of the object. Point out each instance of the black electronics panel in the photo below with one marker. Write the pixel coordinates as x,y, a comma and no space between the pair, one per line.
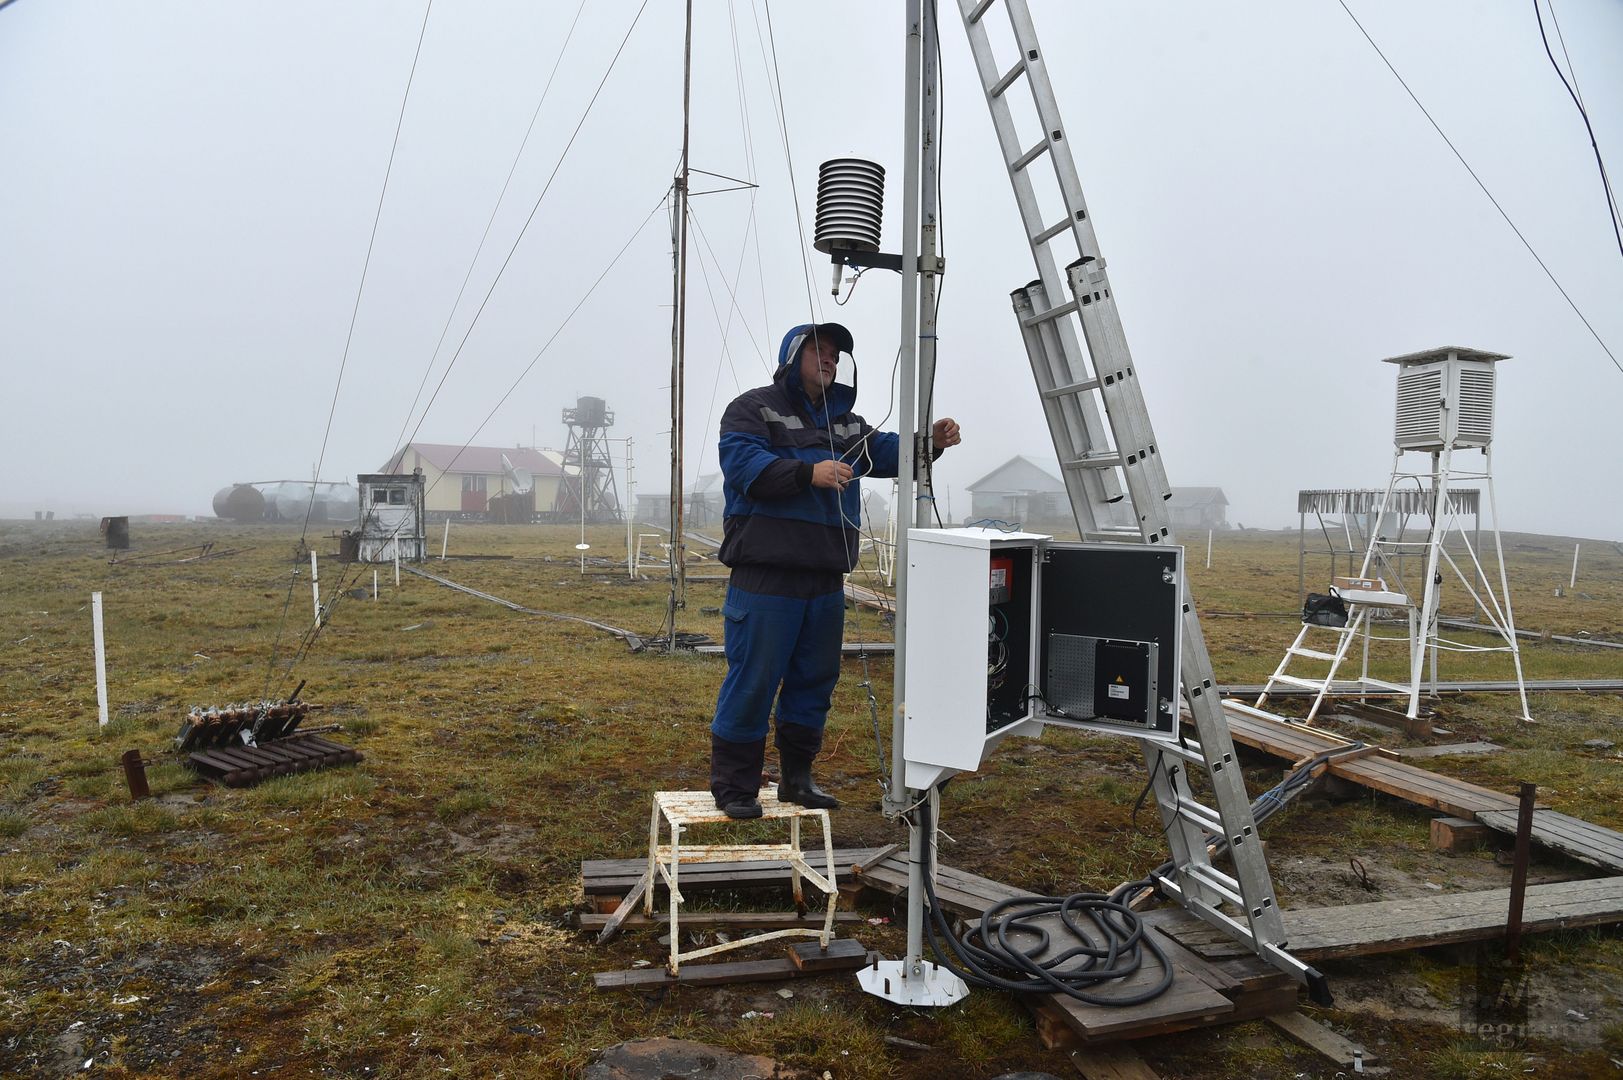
1118,609
1008,636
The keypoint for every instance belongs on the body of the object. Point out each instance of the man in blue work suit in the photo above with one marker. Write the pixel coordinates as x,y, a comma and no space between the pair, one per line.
791,453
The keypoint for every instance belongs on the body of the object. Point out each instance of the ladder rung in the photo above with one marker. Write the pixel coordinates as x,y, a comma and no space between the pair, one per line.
1093,461
997,88
1216,877
1215,881
1071,389
979,9
1200,814
1305,684
1191,753
1312,654
1052,313
1029,156
1052,231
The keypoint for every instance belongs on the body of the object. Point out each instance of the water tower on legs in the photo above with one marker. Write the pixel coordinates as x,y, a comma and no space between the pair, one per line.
588,480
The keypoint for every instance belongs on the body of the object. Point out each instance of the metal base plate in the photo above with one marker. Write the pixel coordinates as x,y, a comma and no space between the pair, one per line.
933,985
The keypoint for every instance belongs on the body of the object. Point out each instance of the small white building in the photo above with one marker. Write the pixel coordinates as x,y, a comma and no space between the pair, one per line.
392,517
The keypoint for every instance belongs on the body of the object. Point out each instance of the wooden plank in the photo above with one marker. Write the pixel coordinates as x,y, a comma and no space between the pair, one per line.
620,875
771,970
627,905
629,869
1293,742
1118,1062
842,954
1582,840
876,858
723,920
1448,750
1190,998
1315,1036
1455,835
1398,925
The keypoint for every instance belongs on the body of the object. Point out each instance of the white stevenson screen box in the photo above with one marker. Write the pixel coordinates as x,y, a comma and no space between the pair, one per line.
1445,398
1009,632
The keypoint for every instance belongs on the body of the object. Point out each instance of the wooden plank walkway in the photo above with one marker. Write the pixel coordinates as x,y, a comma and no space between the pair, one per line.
1594,844
1575,837
1458,798
1398,925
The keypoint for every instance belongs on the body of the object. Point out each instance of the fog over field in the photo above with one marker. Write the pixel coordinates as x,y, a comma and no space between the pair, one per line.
191,189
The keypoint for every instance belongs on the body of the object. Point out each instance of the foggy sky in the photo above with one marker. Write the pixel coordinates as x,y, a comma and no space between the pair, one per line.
190,188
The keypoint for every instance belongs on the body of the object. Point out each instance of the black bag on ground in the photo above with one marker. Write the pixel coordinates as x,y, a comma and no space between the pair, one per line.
1324,609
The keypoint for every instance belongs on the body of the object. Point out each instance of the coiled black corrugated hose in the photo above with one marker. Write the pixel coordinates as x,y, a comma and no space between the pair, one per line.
1109,946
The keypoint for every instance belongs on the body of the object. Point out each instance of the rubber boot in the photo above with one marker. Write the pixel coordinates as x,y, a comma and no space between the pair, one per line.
735,776
797,749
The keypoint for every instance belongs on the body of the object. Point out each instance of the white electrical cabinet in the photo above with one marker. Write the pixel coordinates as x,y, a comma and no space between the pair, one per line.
1008,632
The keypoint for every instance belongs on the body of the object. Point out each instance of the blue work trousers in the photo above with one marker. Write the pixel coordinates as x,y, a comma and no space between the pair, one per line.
773,642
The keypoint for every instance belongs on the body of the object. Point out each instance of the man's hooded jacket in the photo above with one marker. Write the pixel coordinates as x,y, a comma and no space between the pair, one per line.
776,524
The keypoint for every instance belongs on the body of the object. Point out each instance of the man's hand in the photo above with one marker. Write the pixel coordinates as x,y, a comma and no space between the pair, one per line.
945,433
833,474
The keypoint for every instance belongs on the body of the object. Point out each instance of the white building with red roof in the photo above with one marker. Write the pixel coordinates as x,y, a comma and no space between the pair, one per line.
463,479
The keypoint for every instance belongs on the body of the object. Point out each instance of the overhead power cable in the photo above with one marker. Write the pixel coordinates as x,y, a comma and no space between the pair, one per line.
346,578
349,337
1438,128
548,344
562,157
1572,92
480,250
813,302
366,265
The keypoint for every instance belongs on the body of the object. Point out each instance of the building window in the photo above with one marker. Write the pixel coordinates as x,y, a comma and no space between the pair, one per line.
473,483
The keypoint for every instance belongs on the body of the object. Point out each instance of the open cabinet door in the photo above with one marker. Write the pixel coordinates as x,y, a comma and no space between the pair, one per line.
1109,637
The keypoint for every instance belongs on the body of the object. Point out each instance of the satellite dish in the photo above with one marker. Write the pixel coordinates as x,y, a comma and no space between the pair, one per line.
521,479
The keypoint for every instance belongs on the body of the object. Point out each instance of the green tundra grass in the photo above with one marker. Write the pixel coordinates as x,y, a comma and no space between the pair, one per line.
412,916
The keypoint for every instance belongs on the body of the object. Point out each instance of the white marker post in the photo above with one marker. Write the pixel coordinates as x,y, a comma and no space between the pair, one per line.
315,586
445,540
397,564
101,658
1208,549
374,584
1572,583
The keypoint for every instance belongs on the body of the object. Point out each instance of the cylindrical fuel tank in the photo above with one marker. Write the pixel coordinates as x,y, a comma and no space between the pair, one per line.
239,502
333,502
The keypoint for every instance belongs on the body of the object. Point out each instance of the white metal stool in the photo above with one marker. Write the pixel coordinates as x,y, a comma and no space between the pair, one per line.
682,809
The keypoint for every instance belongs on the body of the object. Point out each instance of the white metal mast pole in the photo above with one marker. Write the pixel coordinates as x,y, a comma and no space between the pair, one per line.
906,464
924,496
911,980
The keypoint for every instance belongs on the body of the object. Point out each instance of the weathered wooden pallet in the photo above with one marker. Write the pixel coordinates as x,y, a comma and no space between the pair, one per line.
240,766
1329,933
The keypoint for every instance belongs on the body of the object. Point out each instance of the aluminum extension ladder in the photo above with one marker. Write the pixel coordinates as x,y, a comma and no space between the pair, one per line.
1097,466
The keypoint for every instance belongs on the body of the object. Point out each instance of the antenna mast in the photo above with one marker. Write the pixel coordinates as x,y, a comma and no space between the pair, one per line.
679,258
